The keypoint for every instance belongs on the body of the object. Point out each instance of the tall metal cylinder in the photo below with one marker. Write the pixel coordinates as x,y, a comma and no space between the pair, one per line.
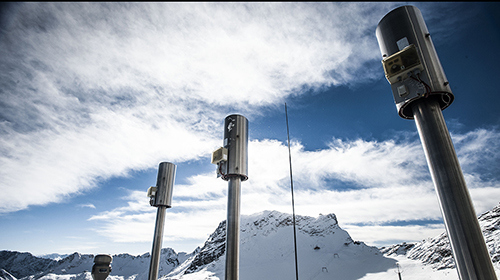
164,184
162,200
236,143
157,243
233,229
469,249
421,91
236,171
410,61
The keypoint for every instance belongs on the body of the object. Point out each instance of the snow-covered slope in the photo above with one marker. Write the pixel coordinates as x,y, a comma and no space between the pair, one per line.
325,251
4,275
24,265
55,256
436,251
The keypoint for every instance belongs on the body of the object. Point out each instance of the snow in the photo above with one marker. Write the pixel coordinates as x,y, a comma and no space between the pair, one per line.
416,270
413,270
54,256
325,251
5,275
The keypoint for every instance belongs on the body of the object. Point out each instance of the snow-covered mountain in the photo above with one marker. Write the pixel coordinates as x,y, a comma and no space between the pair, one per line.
266,252
325,251
436,251
23,264
27,266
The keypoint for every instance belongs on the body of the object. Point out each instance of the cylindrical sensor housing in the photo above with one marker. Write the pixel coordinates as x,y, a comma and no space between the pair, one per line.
410,61
236,143
165,184
102,267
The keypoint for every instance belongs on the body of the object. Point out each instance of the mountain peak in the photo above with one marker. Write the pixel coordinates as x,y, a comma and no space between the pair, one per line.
23,264
269,221
268,236
324,250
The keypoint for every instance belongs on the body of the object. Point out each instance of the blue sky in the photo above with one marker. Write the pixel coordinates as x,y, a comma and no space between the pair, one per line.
93,96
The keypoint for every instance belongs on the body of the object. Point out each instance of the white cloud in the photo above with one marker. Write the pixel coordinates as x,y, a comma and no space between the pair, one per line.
369,185
52,167
89,205
94,90
135,222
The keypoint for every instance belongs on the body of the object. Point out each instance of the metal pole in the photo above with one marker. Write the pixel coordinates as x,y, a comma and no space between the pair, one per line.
232,166
421,90
233,229
469,249
399,272
161,197
157,243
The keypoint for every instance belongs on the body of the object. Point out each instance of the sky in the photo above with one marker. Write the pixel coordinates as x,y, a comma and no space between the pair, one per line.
93,96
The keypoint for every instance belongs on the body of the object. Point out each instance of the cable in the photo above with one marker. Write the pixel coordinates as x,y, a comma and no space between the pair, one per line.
428,89
223,176
293,200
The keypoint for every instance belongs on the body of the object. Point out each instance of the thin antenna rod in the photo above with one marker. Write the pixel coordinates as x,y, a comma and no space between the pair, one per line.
399,272
293,200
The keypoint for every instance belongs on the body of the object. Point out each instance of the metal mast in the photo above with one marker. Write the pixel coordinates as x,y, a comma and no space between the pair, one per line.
232,166
293,199
161,197
421,91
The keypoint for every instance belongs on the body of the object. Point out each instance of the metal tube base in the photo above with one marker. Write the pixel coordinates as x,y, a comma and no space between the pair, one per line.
471,255
157,243
233,229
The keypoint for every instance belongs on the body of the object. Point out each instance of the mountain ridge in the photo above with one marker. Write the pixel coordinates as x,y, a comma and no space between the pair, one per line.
266,252
265,238
436,251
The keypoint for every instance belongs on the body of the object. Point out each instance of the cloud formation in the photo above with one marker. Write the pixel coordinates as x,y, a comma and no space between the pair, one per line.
91,91
390,184
94,90
89,205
